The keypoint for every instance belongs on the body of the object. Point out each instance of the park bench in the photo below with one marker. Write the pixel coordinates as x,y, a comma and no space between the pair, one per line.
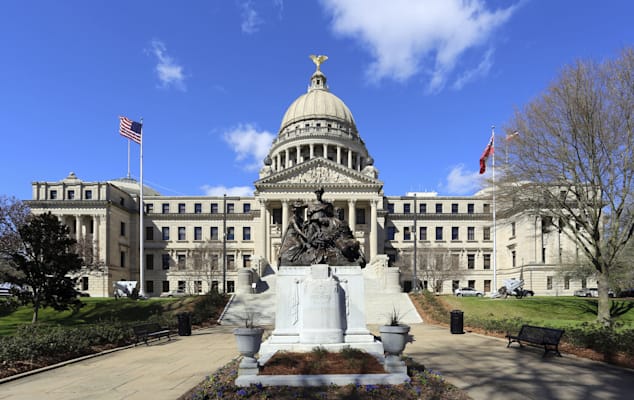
538,336
148,331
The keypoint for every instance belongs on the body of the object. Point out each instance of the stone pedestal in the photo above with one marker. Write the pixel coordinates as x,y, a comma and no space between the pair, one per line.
322,306
245,277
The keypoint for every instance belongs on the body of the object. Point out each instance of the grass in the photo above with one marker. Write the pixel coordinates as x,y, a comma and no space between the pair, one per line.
557,312
94,310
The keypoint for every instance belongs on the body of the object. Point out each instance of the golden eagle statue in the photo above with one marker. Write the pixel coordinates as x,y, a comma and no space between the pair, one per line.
318,60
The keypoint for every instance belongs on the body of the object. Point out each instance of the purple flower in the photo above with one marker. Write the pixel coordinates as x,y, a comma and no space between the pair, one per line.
241,392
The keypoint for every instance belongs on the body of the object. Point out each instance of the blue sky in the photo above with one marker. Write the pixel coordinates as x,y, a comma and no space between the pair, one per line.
425,81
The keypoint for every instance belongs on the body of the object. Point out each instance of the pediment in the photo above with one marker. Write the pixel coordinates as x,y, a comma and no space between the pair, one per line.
318,171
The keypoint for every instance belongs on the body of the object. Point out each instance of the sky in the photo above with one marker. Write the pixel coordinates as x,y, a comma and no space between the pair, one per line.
425,80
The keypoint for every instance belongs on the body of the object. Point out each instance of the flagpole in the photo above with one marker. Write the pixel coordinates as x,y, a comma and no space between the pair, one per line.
494,212
141,211
128,158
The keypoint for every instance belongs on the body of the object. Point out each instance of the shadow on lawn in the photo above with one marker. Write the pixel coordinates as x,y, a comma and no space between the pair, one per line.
617,308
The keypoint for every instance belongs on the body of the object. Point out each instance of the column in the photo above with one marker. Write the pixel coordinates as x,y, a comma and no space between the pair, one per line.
338,154
78,230
95,238
349,158
284,216
287,160
373,235
312,151
352,218
298,158
325,150
261,242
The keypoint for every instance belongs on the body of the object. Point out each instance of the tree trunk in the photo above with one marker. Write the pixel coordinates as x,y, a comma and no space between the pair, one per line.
603,309
36,309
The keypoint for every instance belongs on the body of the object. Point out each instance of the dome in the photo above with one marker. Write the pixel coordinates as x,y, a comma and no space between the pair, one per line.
318,104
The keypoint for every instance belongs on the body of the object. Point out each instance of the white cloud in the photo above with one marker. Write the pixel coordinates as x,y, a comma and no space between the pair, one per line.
249,144
461,182
229,191
480,71
250,19
169,73
408,37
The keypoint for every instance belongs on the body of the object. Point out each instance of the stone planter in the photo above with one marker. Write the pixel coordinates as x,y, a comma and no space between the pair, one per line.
394,338
249,341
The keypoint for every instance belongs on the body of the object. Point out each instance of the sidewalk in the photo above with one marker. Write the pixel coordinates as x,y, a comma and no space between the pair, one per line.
480,365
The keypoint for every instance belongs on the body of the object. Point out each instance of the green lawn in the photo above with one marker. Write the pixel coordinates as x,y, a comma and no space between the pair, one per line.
547,311
94,310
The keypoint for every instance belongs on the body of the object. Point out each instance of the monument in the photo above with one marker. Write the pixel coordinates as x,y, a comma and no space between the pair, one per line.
320,287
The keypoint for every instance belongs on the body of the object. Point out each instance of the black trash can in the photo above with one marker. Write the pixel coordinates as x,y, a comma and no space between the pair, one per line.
457,321
184,324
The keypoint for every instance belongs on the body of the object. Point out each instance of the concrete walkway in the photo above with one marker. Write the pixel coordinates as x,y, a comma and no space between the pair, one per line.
480,365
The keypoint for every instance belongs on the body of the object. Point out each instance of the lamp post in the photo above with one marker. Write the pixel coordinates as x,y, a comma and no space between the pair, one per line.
415,247
224,244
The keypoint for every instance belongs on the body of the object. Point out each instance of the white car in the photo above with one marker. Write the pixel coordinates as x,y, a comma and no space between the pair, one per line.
467,291
174,293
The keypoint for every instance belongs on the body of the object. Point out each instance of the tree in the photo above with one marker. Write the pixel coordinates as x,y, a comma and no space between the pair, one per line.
434,265
573,161
206,261
41,263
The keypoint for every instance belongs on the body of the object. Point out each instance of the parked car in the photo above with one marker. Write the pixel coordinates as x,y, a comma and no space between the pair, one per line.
627,292
467,291
174,293
591,292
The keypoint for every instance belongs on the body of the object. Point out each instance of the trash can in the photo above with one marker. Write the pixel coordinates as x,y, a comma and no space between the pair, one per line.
184,324
457,321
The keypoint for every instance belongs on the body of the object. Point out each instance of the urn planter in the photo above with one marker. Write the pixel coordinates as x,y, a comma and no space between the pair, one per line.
394,338
248,341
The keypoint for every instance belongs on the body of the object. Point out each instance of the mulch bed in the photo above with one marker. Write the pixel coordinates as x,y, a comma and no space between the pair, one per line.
313,363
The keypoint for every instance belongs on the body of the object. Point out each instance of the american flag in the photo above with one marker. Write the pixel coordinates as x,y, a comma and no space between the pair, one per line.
130,129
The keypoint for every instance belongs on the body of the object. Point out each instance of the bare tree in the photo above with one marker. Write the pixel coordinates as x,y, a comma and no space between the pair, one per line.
206,262
573,161
432,265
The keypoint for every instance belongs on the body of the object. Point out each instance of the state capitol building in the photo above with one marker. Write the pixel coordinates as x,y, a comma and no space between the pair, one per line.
317,146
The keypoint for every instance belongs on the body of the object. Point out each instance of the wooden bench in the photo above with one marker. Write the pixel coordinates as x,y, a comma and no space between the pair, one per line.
538,336
148,331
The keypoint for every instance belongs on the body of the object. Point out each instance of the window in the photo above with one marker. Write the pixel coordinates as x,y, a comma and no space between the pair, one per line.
71,194
390,208
213,233
149,208
566,283
88,195
122,259
166,286
121,202
198,233
471,261
454,208
214,208
422,208
455,260
231,233
487,285
231,261
246,208
438,208
166,208
181,208
231,286
165,233
84,283
513,257
454,285
422,233
198,287
439,233
53,194
277,216
543,255
391,232
471,283
181,233
486,233
198,208
149,261
122,228
512,229
149,233
407,234
181,261
454,233
165,261
214,261
470,233
549,283
584,283
487,261
486,208
230,208
246,261
214,286
149,286
406,208
360,215
470,208
246,233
